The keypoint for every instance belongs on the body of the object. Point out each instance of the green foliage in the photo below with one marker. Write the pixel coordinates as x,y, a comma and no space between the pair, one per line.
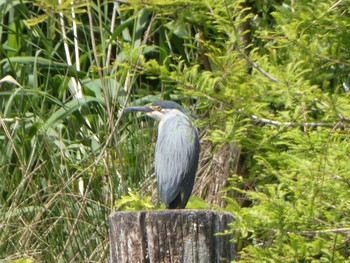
197,203
300,198
277,89
21,260
134,202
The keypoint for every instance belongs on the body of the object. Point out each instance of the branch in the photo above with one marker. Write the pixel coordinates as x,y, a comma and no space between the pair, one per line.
241,51
339,124
258,68
317,232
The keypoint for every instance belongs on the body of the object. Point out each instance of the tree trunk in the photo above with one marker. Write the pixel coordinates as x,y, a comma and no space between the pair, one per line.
170,236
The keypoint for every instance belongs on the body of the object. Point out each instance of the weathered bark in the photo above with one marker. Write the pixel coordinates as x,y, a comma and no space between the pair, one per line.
170,236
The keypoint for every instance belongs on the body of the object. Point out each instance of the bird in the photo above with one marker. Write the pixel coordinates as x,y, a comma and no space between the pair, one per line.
176,152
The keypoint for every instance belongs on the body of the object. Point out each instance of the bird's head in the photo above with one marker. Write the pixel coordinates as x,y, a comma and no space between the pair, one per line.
158,110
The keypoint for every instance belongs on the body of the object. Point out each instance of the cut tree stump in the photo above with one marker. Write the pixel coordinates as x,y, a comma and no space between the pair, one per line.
170,236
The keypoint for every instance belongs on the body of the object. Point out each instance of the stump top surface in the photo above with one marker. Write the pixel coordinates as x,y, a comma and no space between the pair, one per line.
197,212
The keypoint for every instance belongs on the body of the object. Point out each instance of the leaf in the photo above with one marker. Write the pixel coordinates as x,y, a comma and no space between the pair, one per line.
31,60
21,260
35,20
67,109
10,79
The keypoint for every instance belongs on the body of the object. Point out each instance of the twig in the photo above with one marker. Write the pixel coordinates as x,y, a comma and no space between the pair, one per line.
321,16
317,232
339,124
252,63
258,68
13,144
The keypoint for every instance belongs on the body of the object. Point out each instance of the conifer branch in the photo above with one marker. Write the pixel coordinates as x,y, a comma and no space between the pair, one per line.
339,124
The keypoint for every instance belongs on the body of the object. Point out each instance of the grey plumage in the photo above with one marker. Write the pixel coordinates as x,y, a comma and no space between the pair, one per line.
176,154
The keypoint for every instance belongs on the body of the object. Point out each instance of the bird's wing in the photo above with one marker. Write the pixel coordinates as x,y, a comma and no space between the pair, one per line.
176,158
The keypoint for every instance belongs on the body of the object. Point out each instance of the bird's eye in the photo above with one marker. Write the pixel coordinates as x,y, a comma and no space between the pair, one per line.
157,108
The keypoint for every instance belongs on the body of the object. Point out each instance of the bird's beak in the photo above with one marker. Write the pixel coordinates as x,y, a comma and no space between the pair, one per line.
139,108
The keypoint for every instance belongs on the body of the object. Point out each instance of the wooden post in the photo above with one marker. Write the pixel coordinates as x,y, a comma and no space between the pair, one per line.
170,236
